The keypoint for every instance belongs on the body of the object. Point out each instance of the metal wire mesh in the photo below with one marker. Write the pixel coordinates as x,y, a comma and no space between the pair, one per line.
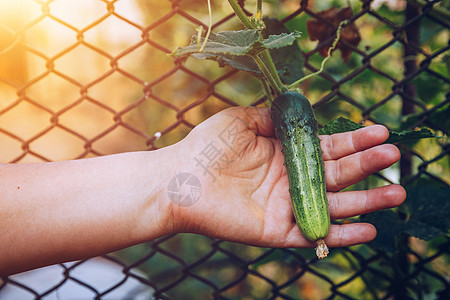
137,97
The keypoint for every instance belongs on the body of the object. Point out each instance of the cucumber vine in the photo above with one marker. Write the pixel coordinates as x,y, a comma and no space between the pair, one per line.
266,63
231,47
208,33
248,50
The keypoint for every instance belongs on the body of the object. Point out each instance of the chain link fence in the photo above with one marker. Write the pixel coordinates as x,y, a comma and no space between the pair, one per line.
86,78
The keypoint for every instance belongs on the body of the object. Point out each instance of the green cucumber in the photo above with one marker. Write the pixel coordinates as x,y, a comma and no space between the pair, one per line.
296,128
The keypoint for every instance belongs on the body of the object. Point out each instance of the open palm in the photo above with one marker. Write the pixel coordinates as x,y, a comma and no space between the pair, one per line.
245,195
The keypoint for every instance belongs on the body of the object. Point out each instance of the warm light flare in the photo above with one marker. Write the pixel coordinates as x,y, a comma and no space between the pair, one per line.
68,67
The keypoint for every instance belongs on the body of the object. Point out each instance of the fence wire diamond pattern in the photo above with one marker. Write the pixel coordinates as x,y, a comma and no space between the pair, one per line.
95,77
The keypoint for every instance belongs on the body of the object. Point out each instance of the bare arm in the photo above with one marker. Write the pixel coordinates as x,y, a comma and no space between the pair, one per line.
62,211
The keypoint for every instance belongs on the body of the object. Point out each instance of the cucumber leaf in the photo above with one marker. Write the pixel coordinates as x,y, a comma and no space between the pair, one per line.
228,42
389,226
408,135
426,212
342,124
426,209
288,60
235,49
437,119
236,43
339,125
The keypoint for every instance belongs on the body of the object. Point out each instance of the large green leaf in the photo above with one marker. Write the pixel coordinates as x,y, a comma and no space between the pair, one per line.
409,135
236,43
428,206
339,125
236,48
342,124
437,119
288,60
425,215
243,63
389,226
227,42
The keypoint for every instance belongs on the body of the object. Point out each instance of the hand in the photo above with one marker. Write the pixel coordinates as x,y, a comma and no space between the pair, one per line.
245,195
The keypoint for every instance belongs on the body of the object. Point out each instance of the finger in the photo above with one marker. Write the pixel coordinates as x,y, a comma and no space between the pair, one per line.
350,234
341,144
349,204
355,167
338,236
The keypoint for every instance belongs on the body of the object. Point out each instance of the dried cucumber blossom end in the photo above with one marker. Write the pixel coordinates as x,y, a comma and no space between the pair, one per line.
321,249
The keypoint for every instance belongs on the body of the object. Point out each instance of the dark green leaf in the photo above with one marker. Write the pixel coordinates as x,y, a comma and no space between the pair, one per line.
437,120
408,135
342,124
428,205
339,125
389,226
243,63
288,60
427,208
431,89
235,48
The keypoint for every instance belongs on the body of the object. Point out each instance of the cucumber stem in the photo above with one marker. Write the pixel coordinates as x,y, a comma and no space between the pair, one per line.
268,67
241,14
258,13
262,66
259,6
273,70
267,90
209,28
321,249
322,65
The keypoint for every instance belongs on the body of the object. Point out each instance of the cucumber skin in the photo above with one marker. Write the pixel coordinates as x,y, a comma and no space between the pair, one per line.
296,128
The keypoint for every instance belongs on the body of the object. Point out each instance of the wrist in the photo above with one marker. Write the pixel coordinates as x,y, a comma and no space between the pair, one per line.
191,190
183,189
155,216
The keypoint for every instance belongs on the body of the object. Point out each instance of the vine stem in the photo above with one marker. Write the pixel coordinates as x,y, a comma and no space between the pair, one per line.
266,65
322,65
259,10
273,70
241,14
267,90
262,66
209,27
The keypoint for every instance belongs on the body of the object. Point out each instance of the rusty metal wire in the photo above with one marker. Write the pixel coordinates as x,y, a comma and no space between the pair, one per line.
222,270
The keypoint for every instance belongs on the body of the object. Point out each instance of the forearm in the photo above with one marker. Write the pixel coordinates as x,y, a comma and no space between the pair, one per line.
62,211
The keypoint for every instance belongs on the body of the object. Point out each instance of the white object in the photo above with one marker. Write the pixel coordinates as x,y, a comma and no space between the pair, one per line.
98,273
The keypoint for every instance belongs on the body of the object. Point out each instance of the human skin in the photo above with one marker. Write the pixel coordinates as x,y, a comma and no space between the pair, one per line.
63,211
